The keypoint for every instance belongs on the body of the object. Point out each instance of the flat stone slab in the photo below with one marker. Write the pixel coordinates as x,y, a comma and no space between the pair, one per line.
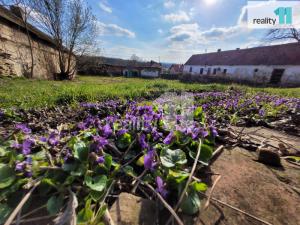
132,210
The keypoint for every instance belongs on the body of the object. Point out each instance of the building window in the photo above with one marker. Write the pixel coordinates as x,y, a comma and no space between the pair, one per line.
224,71
256,70
208,71
201,71
215,71
191,69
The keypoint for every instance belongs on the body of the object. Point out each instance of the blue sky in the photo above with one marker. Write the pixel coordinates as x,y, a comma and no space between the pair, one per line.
172,30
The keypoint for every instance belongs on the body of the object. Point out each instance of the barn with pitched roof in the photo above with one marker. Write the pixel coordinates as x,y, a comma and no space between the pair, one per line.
276,64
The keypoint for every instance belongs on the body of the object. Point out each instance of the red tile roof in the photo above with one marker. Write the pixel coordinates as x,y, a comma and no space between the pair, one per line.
178,68
285,54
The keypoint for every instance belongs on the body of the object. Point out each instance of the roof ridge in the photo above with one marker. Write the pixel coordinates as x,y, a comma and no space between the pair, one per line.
247,49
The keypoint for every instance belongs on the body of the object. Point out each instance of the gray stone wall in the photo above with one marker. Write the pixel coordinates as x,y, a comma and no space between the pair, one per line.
15,54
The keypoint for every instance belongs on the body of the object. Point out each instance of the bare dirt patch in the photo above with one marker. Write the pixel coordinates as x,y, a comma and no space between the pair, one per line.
254,188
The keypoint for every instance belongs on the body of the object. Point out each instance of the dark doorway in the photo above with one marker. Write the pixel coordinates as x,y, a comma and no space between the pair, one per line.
276,76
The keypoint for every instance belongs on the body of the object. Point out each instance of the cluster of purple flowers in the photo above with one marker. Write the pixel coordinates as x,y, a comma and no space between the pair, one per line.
148,124
242,103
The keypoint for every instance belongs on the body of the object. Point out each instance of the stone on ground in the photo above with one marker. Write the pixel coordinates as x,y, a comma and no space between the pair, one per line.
269,157
132,210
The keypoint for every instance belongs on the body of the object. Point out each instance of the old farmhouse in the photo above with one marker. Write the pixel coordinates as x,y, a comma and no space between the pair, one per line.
17,40
277,64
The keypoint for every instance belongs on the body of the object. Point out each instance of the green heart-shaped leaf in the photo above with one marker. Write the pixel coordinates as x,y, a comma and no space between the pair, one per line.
54,204
191,203
7,176
97,183
81,151
171,158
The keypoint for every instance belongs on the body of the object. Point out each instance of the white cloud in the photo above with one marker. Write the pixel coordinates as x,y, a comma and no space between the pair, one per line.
114,30
221,33
191,34
169,4
184,32
179,16
160,31
105,7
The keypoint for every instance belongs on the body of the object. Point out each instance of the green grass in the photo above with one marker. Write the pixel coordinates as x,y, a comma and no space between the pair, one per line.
24,93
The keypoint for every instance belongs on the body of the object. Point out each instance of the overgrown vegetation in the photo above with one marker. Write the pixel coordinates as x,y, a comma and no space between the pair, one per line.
125,146
23,93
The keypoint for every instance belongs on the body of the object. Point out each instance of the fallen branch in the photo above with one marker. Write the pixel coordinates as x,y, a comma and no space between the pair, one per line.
128,149
107,218
236,209
33,211
114,149
216,154
130,161
34,219
211,192
285,143
21,204
137,182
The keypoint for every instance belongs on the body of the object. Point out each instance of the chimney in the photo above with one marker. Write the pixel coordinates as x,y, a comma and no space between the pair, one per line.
18,11
219,50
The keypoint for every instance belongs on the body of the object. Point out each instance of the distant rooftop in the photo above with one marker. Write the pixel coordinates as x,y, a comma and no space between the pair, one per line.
122,62
285,54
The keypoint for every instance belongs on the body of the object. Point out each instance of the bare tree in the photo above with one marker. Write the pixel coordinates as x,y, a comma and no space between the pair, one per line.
284,34
134,57
8,2
70,24
26,12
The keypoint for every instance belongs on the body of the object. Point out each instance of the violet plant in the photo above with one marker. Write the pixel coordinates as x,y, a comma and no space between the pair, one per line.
119,141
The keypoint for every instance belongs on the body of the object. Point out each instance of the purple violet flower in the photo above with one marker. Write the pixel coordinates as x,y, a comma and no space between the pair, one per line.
142,141
23,128
262,113
149,162
161,187
28,161
155,134
214,131
107,131
99,143
67,155
28,174
27,145
43,139
203,133
53,139
168,140
20,166
100,160
121,132
82,126
16,145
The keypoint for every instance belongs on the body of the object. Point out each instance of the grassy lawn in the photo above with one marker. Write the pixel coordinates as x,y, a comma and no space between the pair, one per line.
25,93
